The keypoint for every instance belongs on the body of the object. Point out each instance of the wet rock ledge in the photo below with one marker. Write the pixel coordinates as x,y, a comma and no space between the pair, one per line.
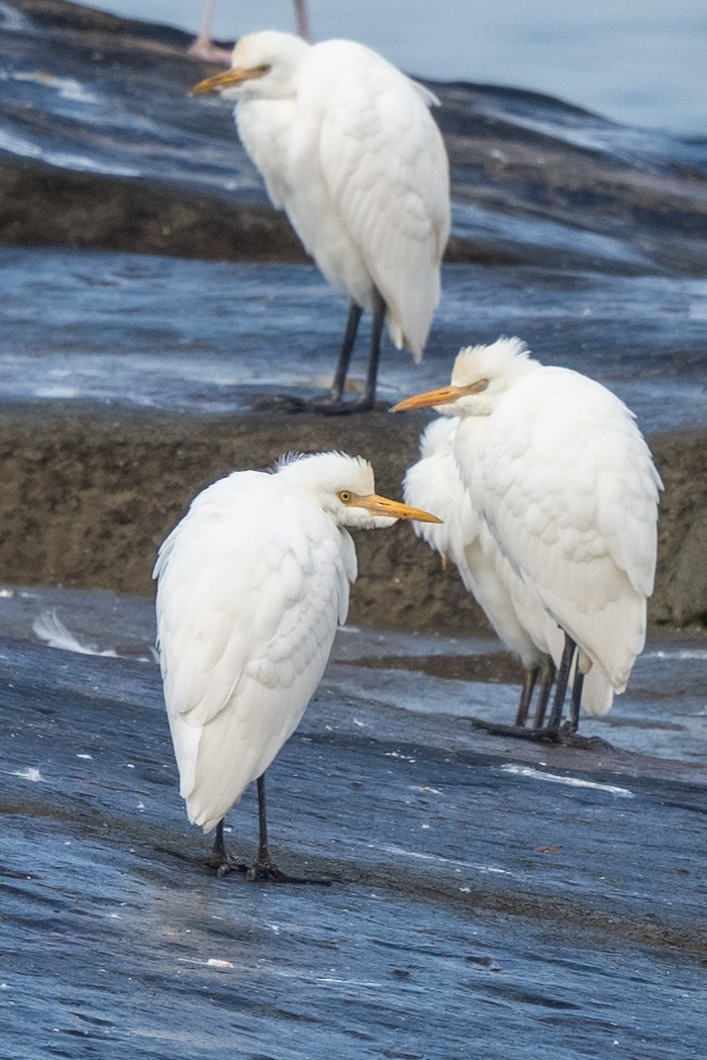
89,496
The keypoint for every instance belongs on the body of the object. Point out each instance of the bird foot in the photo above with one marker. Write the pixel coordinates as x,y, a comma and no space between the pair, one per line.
571,738
519,732
565,736
265,869
223,864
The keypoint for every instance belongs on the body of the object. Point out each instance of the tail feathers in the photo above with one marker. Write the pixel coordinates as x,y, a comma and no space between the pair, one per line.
597,693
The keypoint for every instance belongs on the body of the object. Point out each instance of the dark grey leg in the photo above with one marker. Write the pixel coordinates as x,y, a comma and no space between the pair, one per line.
379,310
526,694
334,404
547,679
218,851
575,703
263,868
220,859
563,676
342,367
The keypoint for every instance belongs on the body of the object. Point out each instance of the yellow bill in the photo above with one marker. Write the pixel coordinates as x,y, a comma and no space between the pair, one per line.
226,79
392,509
444,395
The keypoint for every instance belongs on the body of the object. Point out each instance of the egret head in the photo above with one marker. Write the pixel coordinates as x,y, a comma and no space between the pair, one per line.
480,377
263,66
344,488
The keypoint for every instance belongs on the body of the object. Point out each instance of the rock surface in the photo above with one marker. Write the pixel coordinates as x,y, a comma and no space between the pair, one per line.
103,148
491,897
89,496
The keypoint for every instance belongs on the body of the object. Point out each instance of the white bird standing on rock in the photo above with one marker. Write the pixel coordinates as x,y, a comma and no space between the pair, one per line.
565,483
347,147
251,585
463,537
519,619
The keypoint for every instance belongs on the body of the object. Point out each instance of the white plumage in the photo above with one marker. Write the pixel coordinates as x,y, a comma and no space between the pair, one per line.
435,482
515,614
251,586
347,147
565,482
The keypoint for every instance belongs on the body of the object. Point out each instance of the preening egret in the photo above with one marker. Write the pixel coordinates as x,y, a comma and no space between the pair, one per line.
566,484
251,585
520,621
348,148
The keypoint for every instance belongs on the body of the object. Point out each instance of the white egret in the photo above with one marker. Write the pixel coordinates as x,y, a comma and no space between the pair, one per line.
520,621
348,148
566,484
435,482
250,587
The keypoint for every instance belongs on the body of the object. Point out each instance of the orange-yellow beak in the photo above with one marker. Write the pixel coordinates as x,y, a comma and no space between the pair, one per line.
392,509
226,79
445,395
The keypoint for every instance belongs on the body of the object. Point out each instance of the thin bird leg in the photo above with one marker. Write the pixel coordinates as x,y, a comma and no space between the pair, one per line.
263,868
203,47
526,694
548,673
332,402
220,859
302,19
568,733
342,367
563,676
519,727
219,848
379,310
545,674
573,722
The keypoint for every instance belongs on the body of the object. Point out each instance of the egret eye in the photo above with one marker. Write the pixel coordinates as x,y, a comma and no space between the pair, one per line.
264,68
344,496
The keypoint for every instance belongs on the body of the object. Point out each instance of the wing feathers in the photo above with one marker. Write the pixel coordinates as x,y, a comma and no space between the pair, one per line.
251,630
383,172
569,491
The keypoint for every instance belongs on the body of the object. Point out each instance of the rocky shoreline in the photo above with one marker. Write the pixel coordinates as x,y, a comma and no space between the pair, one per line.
176,182
89,494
